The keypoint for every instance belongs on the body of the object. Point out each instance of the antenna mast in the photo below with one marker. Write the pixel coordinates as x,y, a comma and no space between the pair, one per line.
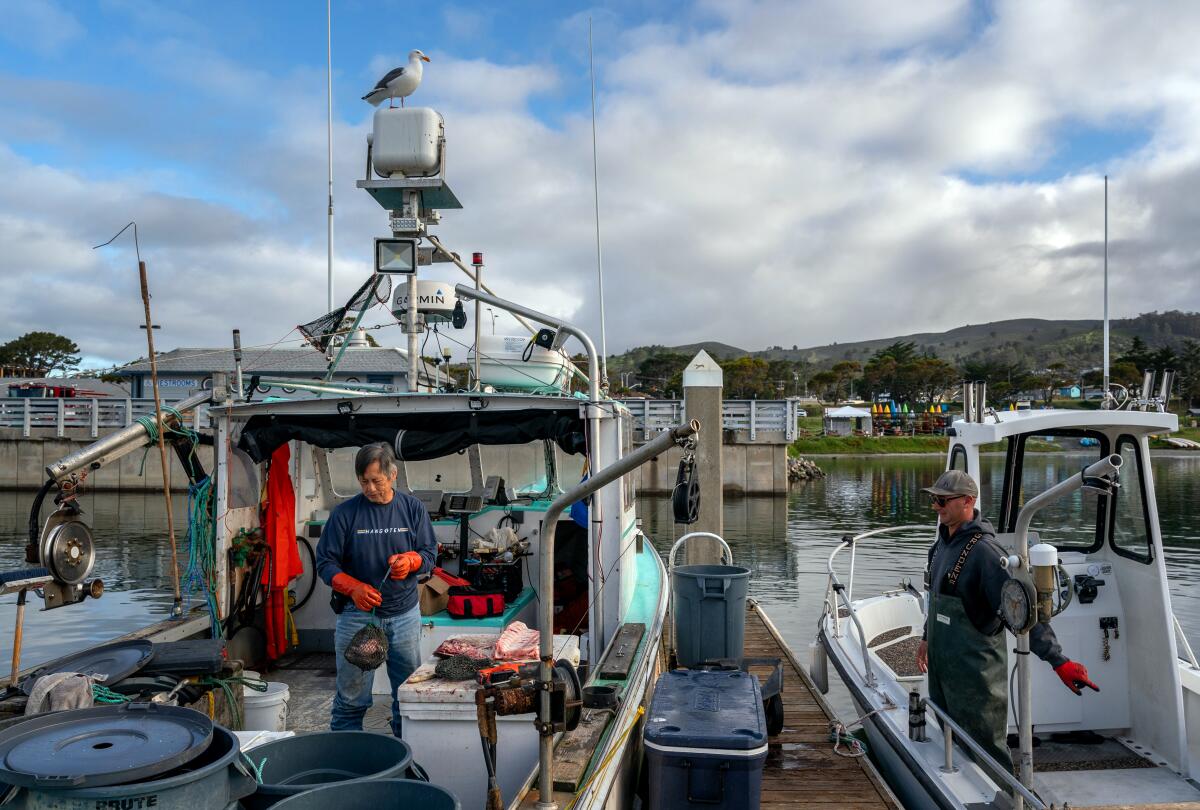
596,202
329,142
1106,401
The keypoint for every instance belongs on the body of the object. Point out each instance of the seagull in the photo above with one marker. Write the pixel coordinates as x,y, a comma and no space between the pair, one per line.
398,83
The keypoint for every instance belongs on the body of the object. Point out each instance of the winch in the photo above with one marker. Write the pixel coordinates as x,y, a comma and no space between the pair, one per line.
67,550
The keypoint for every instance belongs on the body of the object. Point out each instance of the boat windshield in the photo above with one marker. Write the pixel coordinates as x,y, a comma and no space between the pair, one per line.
1072,523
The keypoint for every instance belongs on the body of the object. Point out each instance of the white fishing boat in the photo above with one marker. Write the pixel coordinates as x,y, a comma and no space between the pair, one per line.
496,463
1136,742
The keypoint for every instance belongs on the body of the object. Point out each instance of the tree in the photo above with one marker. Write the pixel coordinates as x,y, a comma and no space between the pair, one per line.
1138,354
844,374
40,353
662,371
824,385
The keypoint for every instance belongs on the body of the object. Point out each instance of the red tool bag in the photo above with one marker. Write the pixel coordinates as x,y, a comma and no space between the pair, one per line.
468,603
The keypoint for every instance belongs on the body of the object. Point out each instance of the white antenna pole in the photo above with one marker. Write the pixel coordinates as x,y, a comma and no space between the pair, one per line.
1105,400
596,202
329,141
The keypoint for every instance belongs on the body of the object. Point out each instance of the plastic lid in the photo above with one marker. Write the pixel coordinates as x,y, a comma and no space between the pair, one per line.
108,745
113,661
716,709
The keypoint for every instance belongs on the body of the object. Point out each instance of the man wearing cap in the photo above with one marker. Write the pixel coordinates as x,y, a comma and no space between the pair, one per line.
963,645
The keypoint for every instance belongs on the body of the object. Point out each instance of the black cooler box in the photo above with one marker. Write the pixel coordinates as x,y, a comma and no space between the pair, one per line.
706,740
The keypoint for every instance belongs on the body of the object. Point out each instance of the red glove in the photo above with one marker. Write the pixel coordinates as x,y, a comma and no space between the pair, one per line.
1075,676
365,597
404,564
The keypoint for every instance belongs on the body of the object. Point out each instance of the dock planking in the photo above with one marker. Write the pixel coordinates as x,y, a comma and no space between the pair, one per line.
801,770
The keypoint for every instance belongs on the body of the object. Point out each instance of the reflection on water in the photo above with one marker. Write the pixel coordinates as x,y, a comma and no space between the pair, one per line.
785,542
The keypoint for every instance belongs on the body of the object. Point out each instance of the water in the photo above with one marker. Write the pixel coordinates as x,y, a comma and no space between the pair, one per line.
785,541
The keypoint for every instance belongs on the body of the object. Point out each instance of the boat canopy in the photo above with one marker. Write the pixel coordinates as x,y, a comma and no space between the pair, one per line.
416,436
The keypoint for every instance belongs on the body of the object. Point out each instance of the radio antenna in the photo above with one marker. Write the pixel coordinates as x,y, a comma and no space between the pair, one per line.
596,203
329,145
1105,402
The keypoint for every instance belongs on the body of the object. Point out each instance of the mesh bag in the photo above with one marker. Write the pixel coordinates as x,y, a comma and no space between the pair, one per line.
321,332
368,648
460,667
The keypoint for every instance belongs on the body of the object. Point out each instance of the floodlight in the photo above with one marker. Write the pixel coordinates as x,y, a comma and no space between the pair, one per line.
396,256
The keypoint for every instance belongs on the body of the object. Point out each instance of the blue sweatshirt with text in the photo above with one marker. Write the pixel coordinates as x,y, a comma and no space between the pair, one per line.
359,537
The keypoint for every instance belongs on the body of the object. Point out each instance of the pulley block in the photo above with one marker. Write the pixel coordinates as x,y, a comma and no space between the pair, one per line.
685,497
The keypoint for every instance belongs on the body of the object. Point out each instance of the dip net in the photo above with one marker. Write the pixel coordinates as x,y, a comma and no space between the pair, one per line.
321,332
368,648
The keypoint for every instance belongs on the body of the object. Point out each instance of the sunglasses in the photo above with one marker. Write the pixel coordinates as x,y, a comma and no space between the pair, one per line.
942,500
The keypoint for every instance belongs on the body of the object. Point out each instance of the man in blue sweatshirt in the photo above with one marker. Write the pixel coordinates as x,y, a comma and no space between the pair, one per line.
371,550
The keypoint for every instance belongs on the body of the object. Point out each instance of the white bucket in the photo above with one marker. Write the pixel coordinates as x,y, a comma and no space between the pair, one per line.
266,711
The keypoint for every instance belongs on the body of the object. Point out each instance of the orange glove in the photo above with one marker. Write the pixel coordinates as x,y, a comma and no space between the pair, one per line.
402,565
1075,676
365,597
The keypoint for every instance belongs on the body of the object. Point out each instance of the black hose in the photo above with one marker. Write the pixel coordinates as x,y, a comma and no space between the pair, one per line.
35,520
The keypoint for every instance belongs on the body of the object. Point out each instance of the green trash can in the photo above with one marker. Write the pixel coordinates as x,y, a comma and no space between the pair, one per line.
709,606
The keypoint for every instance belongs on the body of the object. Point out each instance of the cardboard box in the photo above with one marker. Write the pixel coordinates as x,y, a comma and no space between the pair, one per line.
434,594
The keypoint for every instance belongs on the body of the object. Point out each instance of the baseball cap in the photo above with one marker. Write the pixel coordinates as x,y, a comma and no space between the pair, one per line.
953,482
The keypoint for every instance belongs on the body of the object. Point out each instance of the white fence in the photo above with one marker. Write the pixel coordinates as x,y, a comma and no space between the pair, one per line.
93,415
751,415
652,415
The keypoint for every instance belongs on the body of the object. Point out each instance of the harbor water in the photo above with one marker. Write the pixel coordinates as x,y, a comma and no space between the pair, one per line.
784,541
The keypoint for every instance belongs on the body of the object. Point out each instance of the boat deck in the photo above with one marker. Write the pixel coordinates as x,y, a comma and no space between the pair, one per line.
802,770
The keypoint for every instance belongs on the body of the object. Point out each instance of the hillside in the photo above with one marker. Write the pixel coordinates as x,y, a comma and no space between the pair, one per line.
1034,342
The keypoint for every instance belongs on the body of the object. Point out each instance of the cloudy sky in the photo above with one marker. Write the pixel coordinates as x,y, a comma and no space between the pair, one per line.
770,172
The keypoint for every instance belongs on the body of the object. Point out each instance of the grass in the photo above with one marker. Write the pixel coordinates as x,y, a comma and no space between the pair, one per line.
888,445
1160,443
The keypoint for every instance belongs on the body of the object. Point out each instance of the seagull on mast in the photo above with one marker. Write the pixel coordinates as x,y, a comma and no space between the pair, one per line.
398,83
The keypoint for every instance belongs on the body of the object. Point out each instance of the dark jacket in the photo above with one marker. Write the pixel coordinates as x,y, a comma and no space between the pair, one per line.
979,584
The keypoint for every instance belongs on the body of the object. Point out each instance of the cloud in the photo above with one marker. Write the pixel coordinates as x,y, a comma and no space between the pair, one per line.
770,173
41,26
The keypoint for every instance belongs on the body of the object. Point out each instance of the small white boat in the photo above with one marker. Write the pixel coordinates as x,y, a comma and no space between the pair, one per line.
1136,741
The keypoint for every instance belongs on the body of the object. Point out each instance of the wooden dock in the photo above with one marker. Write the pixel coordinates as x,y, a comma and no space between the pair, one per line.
802,770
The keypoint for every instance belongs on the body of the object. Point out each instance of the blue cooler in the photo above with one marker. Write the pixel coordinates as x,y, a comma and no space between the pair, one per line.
706,740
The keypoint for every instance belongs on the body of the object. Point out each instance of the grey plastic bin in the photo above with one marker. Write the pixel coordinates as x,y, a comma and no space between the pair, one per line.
710,612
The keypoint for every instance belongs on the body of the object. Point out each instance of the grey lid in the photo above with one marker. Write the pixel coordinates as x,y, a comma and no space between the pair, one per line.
107,745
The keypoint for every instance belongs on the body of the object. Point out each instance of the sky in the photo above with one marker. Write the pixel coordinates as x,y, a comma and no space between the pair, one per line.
769,173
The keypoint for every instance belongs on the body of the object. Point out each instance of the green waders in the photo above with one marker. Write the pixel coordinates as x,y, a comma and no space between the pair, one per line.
967,675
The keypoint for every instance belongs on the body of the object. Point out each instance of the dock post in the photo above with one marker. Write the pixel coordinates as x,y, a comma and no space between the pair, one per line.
702,384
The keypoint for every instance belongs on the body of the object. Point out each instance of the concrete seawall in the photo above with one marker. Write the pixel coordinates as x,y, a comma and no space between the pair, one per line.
758,468
23,463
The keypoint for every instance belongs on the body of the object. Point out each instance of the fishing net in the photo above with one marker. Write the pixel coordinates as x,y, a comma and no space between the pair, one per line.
368,648
460,667
321,332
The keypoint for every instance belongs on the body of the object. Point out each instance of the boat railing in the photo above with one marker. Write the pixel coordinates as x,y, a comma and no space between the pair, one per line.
950,729
836,591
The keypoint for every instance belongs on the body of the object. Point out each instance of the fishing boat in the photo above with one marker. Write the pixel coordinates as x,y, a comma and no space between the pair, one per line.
1093,547
496,463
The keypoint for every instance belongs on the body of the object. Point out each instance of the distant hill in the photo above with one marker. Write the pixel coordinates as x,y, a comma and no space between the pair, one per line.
1034,342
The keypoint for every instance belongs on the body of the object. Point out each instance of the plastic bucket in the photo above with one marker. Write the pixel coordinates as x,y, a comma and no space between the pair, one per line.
266,711
710,612
297,764
379,793
212,781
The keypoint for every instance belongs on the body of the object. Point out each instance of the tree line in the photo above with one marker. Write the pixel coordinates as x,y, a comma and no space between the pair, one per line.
903,373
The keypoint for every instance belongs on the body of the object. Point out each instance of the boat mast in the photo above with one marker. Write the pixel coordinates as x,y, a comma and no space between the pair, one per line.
1105,402
329,142
596,203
